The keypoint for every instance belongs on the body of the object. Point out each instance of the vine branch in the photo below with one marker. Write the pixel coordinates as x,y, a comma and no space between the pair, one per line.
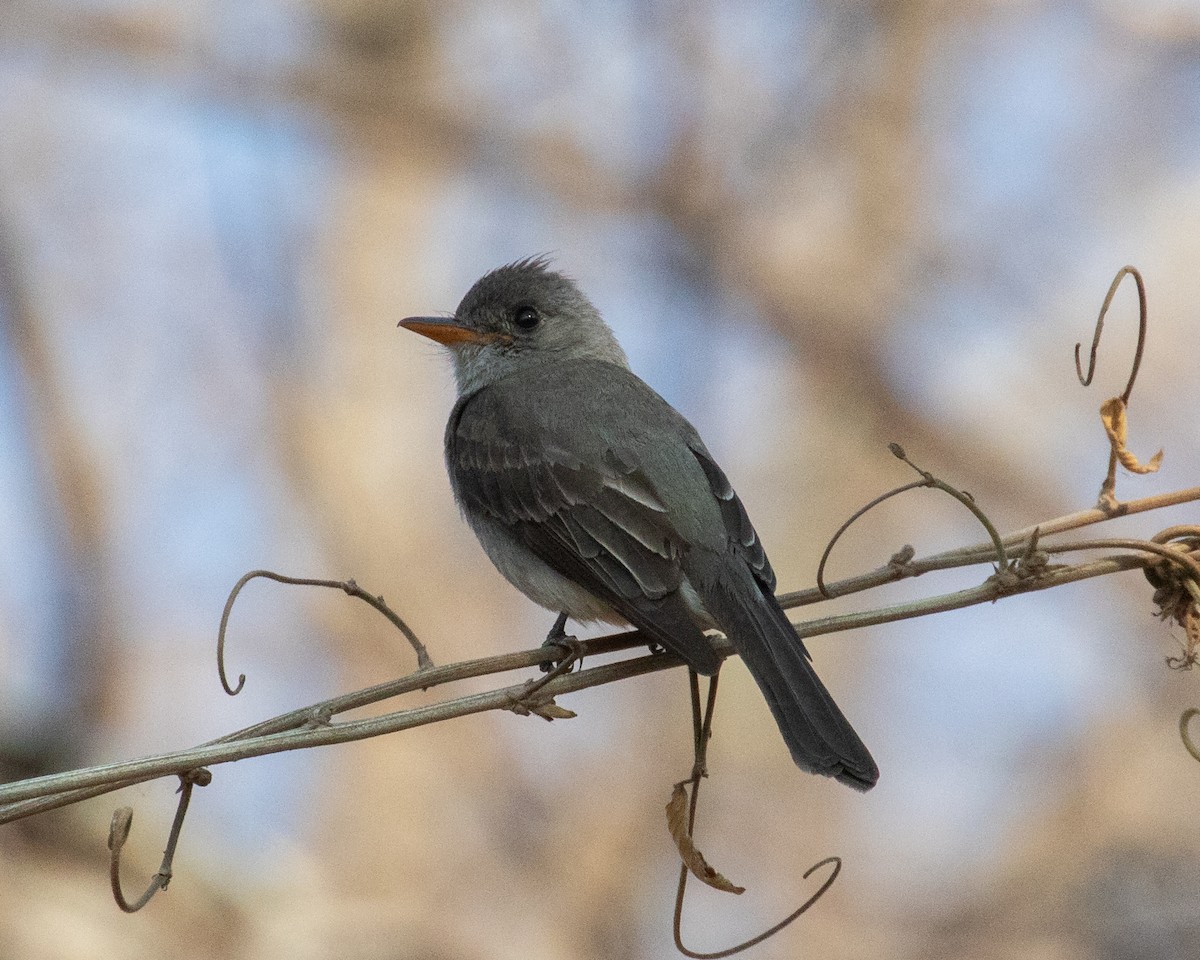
314,726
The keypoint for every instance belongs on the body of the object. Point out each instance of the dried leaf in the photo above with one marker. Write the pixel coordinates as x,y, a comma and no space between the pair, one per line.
1112,415
677,815
552,711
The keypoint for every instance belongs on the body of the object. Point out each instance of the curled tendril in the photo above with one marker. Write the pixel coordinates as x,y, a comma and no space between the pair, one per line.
702,732
118,833
1086,379
1113,412
347,586
753,941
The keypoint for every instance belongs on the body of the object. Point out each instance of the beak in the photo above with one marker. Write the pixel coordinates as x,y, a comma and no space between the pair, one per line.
445,330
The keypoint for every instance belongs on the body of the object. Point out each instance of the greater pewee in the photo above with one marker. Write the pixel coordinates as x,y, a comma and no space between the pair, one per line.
595,498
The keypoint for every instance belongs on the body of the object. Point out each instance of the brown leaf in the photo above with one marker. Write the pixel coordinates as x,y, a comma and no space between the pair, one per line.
1112,415
552,711
677,815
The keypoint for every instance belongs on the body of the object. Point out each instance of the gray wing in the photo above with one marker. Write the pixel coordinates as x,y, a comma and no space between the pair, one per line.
582,505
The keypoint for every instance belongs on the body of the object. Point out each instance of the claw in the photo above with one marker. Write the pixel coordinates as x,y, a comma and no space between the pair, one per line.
558,637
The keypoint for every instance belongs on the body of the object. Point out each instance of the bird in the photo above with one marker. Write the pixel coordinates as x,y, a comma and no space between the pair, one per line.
599,501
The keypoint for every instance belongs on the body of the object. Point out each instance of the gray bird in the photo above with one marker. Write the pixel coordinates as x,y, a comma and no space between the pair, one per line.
596,499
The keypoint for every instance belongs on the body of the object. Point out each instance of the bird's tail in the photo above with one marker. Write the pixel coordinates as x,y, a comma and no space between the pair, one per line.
819,737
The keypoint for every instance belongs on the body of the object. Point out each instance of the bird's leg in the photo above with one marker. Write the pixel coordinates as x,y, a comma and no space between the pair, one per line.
558,637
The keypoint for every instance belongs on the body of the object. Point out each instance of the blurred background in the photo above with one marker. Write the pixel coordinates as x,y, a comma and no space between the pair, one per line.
817,228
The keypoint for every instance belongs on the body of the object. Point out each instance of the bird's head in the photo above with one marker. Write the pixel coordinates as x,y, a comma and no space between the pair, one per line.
517,316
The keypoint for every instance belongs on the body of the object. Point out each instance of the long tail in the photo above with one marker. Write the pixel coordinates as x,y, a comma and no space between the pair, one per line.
818,735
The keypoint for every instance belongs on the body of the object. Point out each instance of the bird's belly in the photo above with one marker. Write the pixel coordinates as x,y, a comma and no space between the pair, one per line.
531,575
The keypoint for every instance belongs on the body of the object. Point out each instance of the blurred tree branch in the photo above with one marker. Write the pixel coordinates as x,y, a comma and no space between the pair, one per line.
71,487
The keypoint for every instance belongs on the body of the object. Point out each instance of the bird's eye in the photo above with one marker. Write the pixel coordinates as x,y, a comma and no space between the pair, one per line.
526,318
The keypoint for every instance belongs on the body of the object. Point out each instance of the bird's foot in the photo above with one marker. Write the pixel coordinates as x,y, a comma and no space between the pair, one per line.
570,646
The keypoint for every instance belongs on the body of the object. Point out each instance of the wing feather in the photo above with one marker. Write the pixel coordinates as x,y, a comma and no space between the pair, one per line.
742,535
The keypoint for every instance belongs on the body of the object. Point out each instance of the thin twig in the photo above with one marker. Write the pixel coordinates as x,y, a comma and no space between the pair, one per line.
822,588
981,552
1179,557
962,497
899,563
1084,518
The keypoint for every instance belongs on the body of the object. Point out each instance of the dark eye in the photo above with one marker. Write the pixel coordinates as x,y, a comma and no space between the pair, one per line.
526,317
